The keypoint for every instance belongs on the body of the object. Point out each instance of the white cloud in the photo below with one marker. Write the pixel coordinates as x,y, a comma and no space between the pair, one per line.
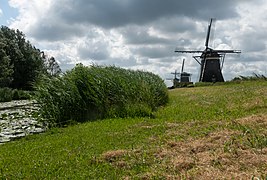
30,13
143,34
1,12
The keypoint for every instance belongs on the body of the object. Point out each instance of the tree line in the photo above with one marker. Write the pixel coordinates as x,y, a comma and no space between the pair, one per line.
21,64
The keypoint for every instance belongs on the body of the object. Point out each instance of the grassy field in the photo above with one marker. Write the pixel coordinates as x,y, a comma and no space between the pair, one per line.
210,132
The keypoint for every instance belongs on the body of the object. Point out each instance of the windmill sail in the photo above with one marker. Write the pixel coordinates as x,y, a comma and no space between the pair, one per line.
208,34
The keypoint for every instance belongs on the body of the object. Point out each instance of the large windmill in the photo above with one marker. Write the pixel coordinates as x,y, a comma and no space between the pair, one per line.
211,60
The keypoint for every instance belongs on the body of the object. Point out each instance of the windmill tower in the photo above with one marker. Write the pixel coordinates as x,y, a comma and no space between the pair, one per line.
211,61
184,78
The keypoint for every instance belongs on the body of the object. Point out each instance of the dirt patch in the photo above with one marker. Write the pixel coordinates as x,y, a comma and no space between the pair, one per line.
112,156
260,120
173,125
255,103
220,154
208,158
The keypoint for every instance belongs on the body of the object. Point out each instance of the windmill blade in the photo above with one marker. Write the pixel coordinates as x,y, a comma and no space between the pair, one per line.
175,74
182,66
227,51
208,34
212,33
187,51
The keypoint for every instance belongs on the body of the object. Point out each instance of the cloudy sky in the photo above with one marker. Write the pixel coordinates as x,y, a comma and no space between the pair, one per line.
143,34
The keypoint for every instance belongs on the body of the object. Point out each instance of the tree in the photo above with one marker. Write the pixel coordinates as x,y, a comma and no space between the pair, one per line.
6,69
52,67
25,59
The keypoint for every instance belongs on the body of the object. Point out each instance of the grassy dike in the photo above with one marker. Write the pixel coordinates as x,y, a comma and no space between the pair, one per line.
203,132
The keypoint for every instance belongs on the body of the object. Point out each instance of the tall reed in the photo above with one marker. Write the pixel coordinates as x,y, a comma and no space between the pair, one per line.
87,93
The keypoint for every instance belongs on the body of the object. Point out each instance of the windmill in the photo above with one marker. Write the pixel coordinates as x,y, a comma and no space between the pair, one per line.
184,78
211,60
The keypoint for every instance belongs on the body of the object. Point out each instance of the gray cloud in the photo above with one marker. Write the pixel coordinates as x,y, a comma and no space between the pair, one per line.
136,35
64,18
53,31
144,33
94,51
253,41
176,24
154,52
125,63
116,13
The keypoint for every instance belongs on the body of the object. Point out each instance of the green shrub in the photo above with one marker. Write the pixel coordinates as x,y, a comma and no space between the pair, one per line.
21,94
6,94
87,93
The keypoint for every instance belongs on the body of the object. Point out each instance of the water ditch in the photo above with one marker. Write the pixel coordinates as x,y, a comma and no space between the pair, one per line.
19,119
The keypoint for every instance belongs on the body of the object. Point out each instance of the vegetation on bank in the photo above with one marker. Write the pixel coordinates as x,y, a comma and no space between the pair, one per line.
8,94
96,92
202,133
254,77
21,62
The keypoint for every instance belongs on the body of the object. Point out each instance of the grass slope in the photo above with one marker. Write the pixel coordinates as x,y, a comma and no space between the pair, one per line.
205,132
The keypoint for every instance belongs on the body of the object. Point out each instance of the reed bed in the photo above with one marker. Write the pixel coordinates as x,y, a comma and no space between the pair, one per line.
96,92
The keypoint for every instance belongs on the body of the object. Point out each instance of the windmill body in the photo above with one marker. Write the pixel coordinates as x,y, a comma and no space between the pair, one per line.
210,68
184,76
210,61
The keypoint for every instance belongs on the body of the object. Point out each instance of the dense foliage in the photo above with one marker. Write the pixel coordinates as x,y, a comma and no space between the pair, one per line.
8,94
93,92
6,68
21,62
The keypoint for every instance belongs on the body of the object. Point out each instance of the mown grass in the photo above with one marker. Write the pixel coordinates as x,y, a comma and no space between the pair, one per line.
72,152
205,132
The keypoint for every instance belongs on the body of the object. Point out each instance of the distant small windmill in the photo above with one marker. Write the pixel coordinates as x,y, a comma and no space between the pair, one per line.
184,78
211,61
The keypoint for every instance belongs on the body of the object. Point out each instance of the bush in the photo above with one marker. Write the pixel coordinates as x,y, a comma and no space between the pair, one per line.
6,94
87,93
21,94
